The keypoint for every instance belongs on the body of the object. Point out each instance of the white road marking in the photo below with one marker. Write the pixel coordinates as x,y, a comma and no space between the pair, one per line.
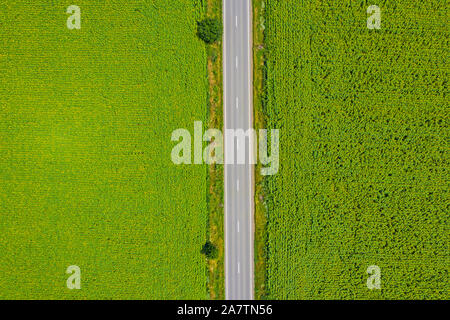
237,185
237,103
251,142
239,269
229,257
237,62
238,226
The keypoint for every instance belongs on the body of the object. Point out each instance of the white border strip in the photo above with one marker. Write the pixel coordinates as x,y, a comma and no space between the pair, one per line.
251,142
224,64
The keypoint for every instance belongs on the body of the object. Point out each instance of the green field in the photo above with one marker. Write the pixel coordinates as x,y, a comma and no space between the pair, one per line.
363,119
86,177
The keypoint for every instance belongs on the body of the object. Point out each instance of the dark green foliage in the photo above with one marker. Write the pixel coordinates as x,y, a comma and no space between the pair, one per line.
209,30
209,250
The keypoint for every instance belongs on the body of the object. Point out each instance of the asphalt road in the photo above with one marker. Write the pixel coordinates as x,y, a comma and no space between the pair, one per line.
238,114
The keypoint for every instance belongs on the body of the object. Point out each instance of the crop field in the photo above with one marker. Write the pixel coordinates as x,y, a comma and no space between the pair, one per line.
86,176
363,119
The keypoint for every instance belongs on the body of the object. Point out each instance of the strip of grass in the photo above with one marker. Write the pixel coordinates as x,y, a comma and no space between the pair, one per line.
259,123
216,283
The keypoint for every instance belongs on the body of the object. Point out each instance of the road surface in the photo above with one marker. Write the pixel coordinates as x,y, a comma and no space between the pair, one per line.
238,114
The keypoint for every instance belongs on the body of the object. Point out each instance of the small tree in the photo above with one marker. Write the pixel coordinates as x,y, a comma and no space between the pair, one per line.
209,250
209,30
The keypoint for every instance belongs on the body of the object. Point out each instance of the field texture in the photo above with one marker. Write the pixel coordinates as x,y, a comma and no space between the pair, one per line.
86,176
363,119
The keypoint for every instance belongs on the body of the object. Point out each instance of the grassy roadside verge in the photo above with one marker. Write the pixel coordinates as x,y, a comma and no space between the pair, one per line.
258,96
216,272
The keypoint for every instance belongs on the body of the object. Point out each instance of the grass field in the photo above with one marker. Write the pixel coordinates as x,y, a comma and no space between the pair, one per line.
363,119
86,176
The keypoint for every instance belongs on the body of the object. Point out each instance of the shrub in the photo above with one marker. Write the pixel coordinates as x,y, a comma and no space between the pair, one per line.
209,30
209,250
